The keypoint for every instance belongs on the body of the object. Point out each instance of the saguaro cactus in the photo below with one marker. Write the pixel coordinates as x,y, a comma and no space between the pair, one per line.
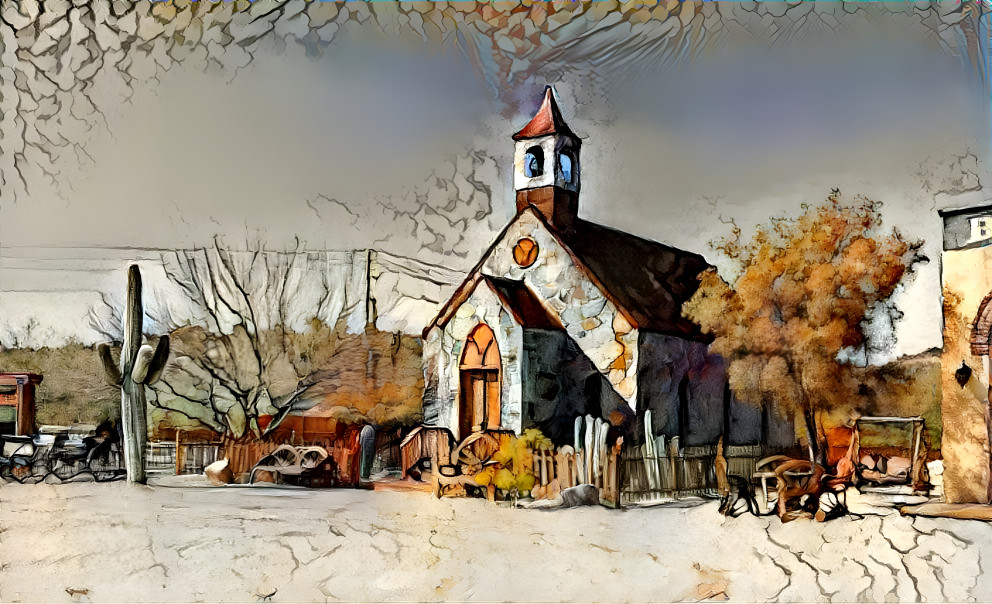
139,365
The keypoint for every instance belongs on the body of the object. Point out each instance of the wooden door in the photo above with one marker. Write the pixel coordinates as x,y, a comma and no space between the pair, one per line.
479,397
480,408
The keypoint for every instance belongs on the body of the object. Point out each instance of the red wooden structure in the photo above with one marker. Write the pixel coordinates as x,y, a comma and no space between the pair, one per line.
22,400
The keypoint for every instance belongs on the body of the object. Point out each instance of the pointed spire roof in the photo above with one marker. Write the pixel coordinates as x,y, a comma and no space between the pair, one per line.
547,120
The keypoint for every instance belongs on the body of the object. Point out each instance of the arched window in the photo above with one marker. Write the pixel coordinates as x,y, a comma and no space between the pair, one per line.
566,166
534,162
481,350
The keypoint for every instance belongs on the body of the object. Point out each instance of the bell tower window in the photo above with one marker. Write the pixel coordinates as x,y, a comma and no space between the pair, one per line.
534,162
566,167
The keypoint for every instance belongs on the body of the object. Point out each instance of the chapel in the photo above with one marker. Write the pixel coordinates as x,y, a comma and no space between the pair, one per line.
562,318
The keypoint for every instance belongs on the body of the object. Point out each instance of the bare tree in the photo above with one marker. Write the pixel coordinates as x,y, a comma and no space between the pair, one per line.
251,330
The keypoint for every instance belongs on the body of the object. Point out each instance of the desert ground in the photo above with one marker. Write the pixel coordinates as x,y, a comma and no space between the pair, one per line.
114,542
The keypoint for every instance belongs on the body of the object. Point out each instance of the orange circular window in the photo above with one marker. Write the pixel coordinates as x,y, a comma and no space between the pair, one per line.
525,252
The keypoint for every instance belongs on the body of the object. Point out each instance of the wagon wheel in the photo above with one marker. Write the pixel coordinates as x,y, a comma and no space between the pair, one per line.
469,463
475,452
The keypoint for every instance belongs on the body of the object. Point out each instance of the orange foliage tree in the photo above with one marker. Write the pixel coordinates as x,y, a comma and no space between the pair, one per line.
806,289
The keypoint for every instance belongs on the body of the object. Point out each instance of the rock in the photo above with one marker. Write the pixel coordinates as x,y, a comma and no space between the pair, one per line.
219,473
264,476
712,591
82,477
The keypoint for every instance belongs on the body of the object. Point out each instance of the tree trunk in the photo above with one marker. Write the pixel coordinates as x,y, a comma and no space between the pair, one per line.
813,435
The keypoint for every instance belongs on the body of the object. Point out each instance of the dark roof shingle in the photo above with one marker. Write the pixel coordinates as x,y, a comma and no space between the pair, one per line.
647,279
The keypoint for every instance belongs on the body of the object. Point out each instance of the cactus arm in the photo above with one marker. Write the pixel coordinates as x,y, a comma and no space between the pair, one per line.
111,373
157,365
150,362
141,362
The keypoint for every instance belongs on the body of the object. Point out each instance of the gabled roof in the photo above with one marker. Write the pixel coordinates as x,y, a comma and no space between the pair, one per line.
524,305
463,291
547,120
647,281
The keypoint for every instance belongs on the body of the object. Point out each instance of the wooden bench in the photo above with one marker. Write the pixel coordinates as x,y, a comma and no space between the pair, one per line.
288,460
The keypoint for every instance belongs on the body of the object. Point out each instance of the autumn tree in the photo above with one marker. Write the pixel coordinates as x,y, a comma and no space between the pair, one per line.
805,292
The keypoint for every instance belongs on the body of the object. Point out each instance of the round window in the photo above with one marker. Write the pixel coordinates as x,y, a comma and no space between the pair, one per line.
525,252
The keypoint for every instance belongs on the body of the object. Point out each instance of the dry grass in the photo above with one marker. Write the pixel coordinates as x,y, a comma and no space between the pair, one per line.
73,390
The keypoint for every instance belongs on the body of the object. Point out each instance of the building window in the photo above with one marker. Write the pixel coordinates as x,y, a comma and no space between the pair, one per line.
981,228
566,167
534,162
525,252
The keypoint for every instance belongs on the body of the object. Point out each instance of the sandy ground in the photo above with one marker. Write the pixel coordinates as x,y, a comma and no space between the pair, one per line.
123,543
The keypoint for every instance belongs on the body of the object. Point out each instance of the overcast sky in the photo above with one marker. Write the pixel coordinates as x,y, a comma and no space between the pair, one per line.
408,150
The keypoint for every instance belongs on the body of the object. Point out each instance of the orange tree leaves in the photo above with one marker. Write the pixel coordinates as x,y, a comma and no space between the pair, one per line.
806,288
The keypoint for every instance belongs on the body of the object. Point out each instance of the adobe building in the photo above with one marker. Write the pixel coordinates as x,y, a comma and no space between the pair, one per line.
966,278
562,317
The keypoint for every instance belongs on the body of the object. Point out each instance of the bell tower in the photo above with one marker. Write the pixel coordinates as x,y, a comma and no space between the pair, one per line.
546,165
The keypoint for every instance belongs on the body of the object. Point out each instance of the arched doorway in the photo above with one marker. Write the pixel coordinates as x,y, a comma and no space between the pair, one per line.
479,403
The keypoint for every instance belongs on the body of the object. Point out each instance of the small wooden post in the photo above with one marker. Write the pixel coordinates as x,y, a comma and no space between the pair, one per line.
179,453
24,423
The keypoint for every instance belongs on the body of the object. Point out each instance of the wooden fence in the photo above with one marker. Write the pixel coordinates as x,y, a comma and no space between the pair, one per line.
387,450
572,469
425,443
162,458
661,471
591,461
345,450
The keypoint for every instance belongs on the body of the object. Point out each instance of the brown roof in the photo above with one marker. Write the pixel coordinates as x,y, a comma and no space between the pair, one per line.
547,120
647,281
526,307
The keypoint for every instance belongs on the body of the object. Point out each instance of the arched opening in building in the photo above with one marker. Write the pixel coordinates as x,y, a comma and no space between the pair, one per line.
479,372
534,162
565,159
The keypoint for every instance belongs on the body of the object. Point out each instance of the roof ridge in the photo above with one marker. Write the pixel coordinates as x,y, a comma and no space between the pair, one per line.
615,230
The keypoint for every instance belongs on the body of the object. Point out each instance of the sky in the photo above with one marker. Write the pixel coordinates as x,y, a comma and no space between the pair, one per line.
405,147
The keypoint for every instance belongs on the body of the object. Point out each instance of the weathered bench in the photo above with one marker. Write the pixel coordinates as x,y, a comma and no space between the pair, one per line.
288,460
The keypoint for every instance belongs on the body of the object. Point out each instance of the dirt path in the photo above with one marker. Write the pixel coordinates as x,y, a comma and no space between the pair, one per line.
123,543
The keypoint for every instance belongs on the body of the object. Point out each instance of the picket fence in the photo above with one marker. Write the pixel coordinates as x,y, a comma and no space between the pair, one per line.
659,471
425,442
590,461
163,457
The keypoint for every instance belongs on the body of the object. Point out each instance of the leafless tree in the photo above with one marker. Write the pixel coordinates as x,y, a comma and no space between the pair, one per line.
252,330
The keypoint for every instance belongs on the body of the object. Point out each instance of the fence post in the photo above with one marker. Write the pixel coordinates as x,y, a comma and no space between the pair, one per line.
179,456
